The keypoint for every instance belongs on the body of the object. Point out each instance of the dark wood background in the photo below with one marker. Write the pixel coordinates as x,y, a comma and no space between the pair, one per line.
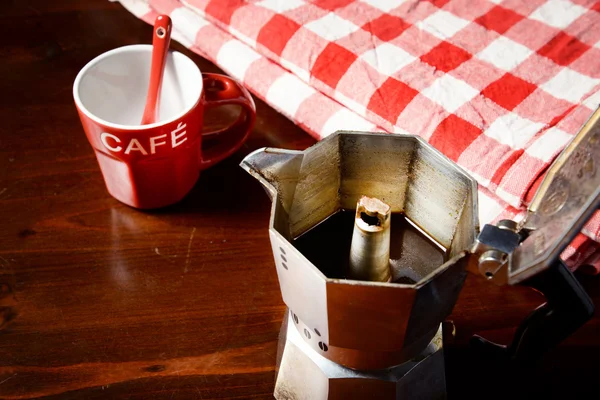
101,301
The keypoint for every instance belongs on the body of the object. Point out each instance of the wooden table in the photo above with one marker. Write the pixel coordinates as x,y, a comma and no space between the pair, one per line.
101,301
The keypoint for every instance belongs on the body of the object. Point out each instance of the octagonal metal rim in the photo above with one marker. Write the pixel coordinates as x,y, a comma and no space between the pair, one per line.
426,279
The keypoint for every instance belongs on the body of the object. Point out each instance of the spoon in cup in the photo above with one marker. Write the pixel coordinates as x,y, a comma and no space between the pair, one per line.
160,47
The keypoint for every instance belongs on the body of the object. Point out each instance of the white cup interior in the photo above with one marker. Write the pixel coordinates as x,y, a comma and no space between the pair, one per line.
112,88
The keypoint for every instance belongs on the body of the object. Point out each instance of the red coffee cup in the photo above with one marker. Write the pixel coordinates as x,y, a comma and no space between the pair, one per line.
151,166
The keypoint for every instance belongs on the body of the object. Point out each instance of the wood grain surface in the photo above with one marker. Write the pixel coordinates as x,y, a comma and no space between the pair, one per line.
101,301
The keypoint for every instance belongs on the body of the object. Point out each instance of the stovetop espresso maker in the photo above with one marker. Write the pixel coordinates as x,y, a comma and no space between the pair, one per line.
365,313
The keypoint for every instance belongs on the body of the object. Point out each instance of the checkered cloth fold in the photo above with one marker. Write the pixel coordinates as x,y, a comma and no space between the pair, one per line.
498,86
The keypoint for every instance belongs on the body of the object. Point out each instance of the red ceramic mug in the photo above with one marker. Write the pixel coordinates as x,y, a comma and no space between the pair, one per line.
151,166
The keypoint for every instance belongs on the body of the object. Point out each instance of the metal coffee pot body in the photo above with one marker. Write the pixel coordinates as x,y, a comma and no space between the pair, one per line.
359,324
346,338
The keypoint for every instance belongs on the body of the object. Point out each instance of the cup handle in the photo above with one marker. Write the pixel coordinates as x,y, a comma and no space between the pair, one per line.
220,90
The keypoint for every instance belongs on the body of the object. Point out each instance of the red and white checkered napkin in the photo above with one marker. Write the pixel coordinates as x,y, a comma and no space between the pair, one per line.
498,86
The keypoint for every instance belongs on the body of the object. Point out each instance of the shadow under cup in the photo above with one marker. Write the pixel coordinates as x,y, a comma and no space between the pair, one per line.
144,166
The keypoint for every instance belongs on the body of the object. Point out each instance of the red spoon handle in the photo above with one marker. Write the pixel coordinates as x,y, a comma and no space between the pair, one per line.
160,46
